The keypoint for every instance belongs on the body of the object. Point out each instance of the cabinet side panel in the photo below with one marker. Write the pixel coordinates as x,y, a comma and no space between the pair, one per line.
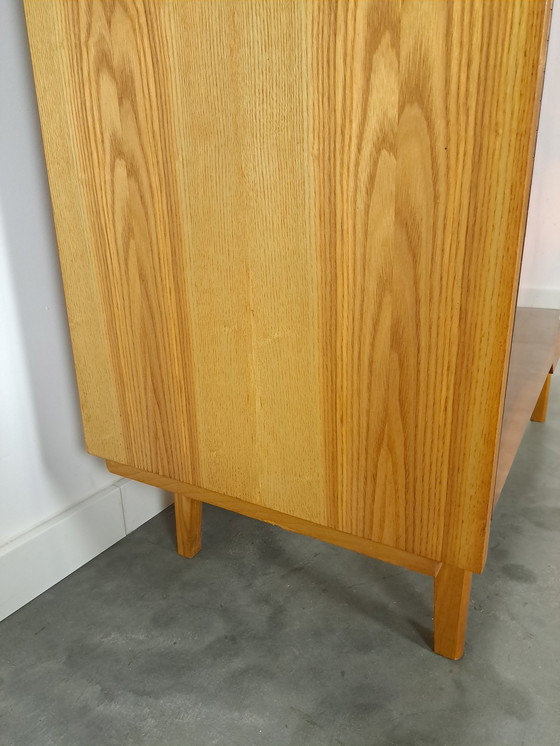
240,101
416,319
513,37
353,73
290,236
120,228
97,383
470,77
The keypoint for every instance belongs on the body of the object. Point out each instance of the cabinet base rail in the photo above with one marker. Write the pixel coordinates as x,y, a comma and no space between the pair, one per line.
451,584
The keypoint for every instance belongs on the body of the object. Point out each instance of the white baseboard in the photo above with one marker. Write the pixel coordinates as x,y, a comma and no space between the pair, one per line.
539,297
43,556
141,502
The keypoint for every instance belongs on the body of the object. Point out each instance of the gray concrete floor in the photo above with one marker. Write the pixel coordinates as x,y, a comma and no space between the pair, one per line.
271,638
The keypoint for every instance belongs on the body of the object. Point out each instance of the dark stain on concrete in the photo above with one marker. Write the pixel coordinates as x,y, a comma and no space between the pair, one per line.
519,573
546,517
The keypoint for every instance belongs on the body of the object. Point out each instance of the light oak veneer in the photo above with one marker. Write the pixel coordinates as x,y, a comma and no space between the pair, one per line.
290,235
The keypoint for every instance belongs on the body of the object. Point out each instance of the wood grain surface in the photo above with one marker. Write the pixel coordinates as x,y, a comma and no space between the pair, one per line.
452,589
188,525
297,525
539,412
290,235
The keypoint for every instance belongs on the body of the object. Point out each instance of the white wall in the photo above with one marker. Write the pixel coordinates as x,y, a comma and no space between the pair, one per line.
540,275
44,470
43,467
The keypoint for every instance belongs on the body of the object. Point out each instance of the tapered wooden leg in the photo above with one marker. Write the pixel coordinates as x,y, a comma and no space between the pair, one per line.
188,520
539,412
452,588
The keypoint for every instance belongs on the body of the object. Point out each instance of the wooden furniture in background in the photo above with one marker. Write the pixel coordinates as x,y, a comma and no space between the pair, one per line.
539,412
534,354
290,235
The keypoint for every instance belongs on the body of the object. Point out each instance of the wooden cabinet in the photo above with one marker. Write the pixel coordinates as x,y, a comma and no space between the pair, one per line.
290,235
